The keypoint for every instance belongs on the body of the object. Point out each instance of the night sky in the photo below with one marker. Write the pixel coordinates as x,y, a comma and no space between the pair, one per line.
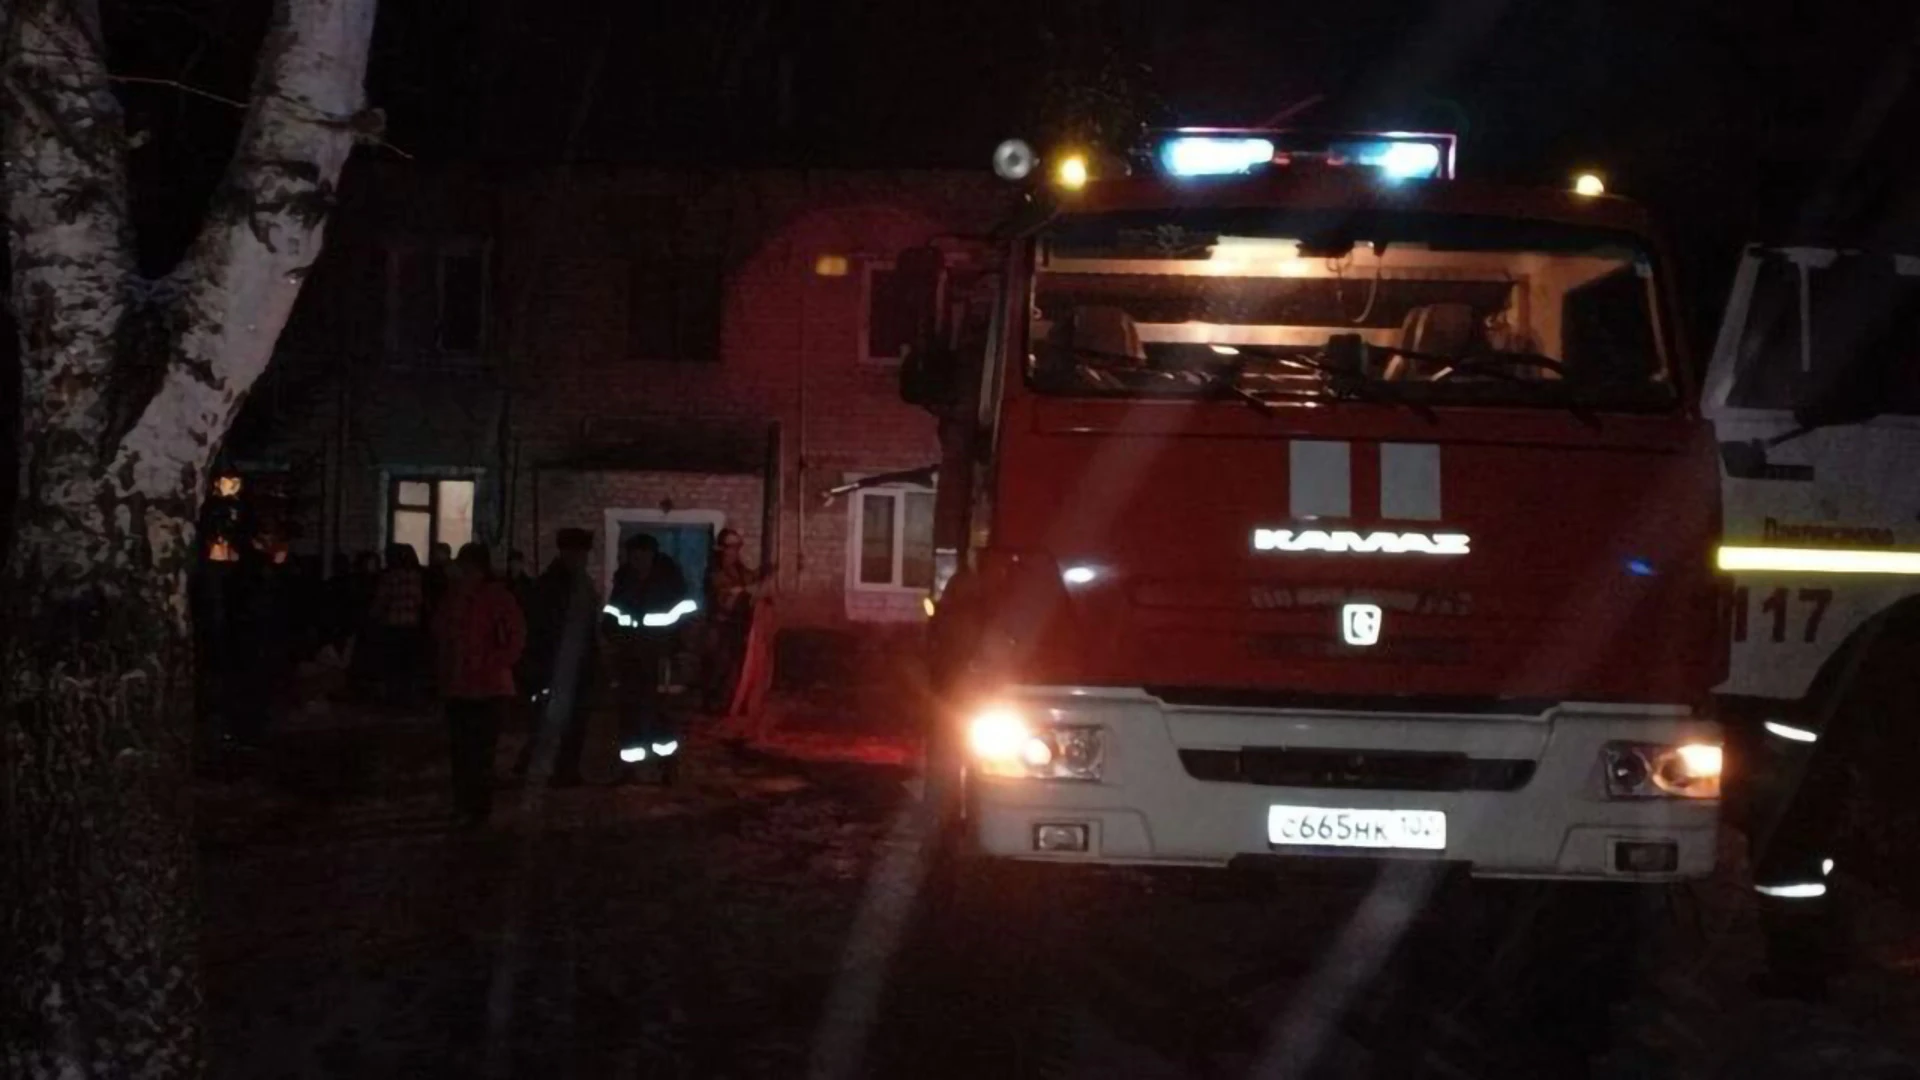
1729,118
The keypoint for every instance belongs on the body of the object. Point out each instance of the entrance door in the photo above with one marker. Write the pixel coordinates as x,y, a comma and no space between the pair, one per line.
689,544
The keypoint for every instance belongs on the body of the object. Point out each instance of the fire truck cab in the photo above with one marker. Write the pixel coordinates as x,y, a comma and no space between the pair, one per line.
1300,500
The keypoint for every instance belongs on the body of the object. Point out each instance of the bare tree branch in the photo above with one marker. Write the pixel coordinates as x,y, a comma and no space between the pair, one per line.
148,80
366,125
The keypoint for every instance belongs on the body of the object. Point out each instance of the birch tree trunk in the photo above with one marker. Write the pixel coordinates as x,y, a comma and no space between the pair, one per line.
128,386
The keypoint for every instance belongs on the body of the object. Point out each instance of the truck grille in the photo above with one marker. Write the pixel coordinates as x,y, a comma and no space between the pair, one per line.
1356,769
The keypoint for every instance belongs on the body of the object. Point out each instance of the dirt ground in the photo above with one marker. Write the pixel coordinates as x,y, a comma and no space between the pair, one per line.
774,915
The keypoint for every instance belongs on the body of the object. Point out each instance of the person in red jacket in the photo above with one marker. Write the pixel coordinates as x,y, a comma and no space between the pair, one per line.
480,633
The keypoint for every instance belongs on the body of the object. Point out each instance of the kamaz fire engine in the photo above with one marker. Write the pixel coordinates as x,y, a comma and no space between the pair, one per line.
1300,499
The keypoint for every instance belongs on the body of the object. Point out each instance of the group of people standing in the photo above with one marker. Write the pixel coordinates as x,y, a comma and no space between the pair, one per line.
491,648
549,642
260,614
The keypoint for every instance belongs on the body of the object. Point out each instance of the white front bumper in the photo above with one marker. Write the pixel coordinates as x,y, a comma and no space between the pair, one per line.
1148,809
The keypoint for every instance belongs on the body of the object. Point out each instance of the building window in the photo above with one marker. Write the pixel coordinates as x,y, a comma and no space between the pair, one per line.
889,314
673,309
423,511
436,300
891,539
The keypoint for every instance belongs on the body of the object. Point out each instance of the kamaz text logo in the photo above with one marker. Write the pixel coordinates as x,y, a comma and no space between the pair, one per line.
1346,542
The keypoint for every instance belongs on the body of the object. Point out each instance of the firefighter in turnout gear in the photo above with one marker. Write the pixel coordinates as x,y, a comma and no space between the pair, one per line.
644,613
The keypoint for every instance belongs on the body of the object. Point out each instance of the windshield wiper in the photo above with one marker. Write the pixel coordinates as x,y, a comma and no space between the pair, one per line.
1121,367
1497,364
1340,365
1497,360
1341,382
1227,380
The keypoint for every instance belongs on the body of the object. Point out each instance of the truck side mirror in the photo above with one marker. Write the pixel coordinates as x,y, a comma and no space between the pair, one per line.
929,375
918,274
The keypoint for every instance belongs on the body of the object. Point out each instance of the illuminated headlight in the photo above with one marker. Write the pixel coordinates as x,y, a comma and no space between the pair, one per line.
1004,744
1655,770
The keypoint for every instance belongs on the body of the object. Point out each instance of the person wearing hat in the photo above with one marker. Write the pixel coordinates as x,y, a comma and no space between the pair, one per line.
562,608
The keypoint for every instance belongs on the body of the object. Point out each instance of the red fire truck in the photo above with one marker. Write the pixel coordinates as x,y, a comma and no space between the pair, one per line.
1299,499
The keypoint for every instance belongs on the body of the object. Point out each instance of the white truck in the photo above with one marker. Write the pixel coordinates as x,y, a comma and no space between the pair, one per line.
1814,392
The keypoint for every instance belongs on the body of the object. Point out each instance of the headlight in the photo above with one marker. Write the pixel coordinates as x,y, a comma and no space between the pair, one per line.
996,734
1005,744
1656,770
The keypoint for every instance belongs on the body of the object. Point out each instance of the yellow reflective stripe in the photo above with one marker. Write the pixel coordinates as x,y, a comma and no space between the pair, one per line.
1735,558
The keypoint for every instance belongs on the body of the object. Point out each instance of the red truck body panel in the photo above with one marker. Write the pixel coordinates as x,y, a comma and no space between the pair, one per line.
1588,577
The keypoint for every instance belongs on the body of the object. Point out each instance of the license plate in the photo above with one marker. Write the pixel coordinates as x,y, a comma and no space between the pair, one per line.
1319,826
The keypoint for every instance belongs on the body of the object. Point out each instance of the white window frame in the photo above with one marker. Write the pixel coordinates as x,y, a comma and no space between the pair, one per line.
614,517
855,537
440,250
428,474
868,265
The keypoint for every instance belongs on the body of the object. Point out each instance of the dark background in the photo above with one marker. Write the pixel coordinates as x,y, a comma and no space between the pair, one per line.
1731,119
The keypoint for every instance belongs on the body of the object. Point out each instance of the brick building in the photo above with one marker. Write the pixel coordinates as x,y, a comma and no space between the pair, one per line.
497,354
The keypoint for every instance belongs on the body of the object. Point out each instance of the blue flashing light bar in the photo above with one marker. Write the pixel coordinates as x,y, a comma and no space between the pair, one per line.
1399,160
1214,155
1393,155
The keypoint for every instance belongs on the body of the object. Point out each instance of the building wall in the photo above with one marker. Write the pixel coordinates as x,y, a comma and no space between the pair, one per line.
557,357
790,352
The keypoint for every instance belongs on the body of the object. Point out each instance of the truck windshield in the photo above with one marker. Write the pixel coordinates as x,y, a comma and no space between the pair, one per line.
1452,309
1860,338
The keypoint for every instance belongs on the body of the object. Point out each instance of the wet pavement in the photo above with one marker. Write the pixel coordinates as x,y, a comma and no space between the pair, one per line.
778,915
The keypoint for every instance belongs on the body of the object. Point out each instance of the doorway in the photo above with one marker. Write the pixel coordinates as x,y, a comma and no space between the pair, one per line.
685,535
687,545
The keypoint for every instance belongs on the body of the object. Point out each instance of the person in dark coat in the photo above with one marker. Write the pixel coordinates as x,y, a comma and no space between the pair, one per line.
439,571
359,601
642,620
258,645
518,579
396,623
562,608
